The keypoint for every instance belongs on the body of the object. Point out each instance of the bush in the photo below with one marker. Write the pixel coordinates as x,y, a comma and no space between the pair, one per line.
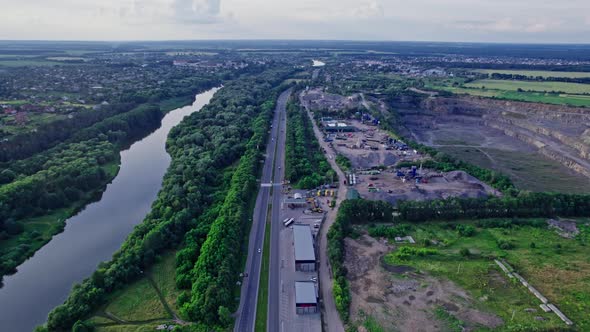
504,244
465,252
405,253
465,230
390,232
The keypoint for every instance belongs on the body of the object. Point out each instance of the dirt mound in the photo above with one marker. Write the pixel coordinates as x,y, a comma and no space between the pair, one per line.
460,176
365,160
565,228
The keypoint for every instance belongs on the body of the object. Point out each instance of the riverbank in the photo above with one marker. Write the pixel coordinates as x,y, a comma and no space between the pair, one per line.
39,230
199,147
97,231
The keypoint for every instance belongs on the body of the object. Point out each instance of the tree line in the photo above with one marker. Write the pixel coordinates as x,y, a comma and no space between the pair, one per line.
305,164
67,175
201,146
52,133
523,205
55,177
519,77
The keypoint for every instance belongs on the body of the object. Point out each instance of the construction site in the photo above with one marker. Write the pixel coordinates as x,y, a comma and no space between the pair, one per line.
374,155
366,146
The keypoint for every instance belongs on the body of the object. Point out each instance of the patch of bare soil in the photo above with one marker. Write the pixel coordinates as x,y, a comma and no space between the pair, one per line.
406,301
391,188
564,227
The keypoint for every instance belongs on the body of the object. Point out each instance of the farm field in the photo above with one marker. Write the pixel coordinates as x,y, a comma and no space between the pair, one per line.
534,97
30,63
572,88
9,126
534,73
557,266
143,304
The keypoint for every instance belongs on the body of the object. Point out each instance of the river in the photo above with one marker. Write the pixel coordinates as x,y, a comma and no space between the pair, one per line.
94,234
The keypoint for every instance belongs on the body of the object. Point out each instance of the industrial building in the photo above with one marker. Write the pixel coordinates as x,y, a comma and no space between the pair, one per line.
295,202
337,126
304,249
306,299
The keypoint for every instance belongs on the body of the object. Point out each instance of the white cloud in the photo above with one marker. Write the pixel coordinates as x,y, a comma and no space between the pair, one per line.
369,9
507,25
197,11
449,20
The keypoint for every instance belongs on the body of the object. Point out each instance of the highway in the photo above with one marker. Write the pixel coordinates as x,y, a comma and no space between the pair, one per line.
275,151
274,291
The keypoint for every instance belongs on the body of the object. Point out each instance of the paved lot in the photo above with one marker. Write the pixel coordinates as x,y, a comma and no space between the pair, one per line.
290,321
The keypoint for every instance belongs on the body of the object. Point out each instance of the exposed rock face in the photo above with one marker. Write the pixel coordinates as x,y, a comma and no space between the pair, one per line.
559,132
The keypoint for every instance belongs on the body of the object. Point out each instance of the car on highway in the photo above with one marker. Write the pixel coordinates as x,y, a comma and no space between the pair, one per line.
258,250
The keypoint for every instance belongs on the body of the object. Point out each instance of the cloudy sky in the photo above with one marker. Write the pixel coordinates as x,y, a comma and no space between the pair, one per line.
425,20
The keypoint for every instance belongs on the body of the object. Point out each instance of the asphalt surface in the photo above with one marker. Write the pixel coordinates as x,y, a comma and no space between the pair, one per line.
274,291
246,314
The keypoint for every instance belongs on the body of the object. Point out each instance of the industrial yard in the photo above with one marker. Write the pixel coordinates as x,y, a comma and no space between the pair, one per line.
301,215
366,146
374,155
392,185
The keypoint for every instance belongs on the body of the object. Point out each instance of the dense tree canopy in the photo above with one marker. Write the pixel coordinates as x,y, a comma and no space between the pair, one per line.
305,164
229,129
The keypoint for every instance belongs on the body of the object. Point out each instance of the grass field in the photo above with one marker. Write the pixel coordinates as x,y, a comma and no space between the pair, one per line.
37,232
506,85
535,97
9,127
31,63
534,73
558,267
528,171
262,303
13,102
143,304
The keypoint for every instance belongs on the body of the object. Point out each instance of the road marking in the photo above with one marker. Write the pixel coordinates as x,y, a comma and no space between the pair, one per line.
266,185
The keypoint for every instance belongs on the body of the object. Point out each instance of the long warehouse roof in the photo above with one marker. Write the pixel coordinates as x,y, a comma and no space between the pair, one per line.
305,292
303,243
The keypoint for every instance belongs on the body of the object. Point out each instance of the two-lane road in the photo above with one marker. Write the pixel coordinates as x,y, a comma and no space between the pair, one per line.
246,314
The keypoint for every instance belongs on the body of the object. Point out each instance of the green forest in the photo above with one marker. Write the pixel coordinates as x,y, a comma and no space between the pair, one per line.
72,129
305,164
65,176
60,167
230,130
